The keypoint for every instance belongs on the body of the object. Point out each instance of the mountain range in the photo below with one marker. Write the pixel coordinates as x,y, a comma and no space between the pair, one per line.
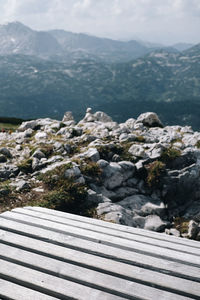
46,73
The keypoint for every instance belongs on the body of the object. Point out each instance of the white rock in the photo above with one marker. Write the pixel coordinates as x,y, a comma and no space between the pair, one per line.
113,176
41,135
153,222
21,185
102,117
149,119
193,229
92,154
26,125
68,117
138,151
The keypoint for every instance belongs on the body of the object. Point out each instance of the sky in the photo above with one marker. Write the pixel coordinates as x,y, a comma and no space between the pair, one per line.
161,21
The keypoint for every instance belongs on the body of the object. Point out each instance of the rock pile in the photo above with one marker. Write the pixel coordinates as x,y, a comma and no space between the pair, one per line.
138,173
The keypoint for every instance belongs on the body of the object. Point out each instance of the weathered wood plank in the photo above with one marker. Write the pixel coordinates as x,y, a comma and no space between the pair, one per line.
121,287
123,228
52,254
71,231
14,291
51,285
110,231
76,256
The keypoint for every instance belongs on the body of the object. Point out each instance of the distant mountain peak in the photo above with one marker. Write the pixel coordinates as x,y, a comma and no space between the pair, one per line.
15,26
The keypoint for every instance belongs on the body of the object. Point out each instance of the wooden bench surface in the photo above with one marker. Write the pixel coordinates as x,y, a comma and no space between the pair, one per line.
47,254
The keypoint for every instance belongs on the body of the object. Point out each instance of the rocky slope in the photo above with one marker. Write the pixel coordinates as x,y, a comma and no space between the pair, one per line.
138,173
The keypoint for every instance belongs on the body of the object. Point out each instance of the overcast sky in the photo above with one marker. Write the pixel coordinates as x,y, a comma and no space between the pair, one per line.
164,21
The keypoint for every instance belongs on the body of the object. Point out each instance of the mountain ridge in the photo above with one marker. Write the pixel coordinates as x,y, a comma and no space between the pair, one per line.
164,80
17,38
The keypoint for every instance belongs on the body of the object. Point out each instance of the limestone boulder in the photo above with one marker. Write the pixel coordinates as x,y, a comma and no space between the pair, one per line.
149,119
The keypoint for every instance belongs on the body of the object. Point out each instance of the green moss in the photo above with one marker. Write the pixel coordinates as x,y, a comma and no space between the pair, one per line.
154,172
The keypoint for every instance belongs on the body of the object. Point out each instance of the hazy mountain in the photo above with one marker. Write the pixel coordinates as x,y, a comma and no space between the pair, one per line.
107,49
182,46
162,81
60,45
16,38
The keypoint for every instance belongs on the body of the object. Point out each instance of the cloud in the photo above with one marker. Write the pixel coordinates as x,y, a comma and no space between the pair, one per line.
164,21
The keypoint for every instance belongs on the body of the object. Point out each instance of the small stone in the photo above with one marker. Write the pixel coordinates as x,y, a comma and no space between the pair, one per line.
73,172
3,159
173,231
92,154
154,223
89,110
68,117
38,154
102,163
193,229
38,190
21,185
5,152
18,147
80,180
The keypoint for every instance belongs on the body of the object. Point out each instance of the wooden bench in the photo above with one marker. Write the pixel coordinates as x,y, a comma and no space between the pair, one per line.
47,254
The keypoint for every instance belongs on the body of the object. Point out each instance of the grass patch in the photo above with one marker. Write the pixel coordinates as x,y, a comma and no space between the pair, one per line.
170,154
181,224
107,151
5,127
90,168
64,193
140,139
154,172
25,166
198,144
